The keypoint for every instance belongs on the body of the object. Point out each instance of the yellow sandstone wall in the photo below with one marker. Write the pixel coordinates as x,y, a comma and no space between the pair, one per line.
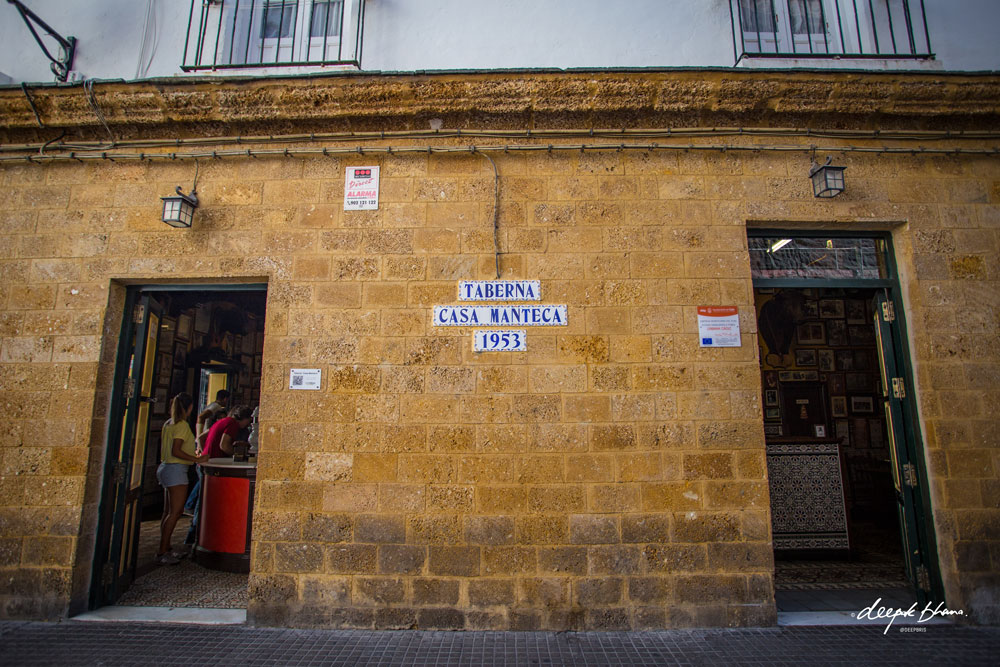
610,477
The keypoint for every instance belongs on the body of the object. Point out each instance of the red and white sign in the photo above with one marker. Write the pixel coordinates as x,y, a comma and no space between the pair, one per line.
719,326
361,189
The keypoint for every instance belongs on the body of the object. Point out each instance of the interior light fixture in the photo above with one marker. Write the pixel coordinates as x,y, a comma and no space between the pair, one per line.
827,180
778,245
178,210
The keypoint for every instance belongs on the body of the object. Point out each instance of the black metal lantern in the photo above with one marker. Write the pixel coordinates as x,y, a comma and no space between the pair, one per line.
178,210
827,180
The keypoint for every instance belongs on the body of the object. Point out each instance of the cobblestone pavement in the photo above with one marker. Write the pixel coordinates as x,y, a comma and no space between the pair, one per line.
78,643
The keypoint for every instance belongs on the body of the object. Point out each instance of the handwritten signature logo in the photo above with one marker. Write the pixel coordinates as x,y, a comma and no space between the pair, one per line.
875,612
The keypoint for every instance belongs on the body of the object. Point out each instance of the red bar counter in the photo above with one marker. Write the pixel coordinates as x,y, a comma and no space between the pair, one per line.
227,495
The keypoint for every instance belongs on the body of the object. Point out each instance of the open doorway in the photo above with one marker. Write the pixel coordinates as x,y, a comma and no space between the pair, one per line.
198,340
848,516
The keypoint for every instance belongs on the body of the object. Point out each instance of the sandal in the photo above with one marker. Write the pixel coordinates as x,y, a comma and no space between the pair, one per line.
167,559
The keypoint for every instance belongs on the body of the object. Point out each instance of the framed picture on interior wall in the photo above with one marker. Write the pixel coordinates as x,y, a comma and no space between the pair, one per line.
770,397
167,327
820,430
836,384
845,360
163,372
810,309
772,414
811,333
184,323
202,318
831,308
862,360
836,331
798,376
256,364
805,357
177,381
859,433
160,400
856,312
842,429
875,429
237,345
802,406
858,382
180,354
862,404
198,341
772,429
838,406
861,335
825,358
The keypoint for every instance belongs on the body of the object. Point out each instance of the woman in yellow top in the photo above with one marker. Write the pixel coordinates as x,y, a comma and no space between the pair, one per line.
177,453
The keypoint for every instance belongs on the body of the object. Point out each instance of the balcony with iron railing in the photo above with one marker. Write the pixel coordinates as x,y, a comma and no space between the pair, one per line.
228,34
833,29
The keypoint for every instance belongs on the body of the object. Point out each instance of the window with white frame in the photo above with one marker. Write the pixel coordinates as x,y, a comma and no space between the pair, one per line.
808,28
263,33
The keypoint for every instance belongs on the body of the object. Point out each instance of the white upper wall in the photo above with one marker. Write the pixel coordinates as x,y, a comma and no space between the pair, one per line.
408,35
459,34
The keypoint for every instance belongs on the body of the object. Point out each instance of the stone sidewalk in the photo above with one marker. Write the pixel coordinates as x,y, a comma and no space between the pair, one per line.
163,644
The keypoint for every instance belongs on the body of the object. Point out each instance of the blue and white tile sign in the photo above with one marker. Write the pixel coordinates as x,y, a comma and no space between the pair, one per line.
499,290
499,340
500,315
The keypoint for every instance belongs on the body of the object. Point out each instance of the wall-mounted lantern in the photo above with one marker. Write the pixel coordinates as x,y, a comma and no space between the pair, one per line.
178,210
827,180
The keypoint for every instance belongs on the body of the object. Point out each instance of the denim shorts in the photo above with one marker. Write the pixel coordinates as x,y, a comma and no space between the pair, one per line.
172,474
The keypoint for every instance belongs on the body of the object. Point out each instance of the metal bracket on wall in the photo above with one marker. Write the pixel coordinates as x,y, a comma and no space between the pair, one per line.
67,45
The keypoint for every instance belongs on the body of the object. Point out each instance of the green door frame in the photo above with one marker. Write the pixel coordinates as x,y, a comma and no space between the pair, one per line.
107,526
890,285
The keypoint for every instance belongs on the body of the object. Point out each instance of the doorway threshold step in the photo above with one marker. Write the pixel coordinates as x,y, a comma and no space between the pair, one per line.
195,615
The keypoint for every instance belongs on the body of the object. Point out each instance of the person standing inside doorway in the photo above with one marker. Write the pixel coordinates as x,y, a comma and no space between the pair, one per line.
212,413
209,415
177,452
219,443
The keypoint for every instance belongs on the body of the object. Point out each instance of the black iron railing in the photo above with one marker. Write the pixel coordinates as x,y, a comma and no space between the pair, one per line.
830,29
226,34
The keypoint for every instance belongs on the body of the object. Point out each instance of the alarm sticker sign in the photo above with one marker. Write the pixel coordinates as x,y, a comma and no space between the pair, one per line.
361,189
719,326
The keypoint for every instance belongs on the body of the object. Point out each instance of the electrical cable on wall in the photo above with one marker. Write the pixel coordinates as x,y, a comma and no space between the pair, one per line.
150,40
667,133
496,212
88,88
506,148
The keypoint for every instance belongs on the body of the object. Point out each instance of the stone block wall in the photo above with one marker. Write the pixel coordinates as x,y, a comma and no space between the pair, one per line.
610,477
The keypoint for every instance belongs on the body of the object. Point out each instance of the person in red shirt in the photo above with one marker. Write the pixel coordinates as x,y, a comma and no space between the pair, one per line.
226,431
218,443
